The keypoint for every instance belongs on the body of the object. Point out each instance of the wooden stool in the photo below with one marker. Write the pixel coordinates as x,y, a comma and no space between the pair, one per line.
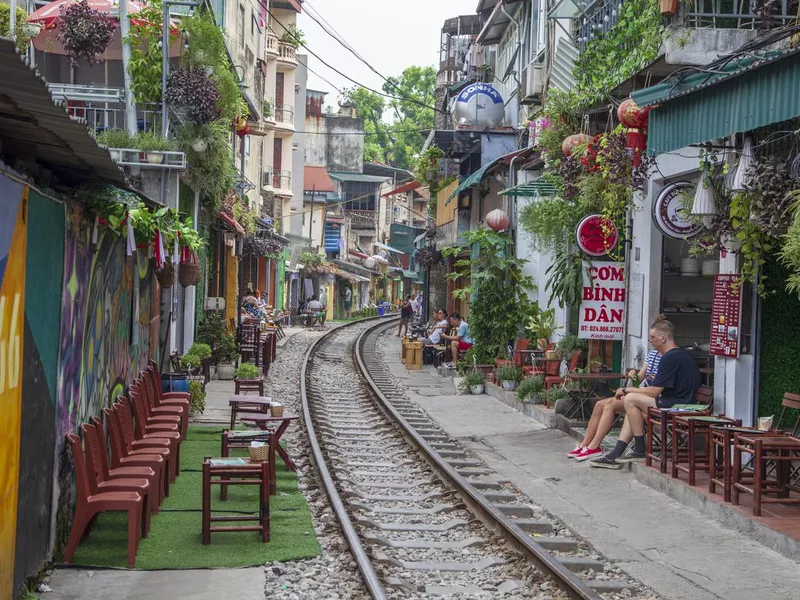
235,471
720,447
241,440
658,422
415,360
776,448
687,428
404,350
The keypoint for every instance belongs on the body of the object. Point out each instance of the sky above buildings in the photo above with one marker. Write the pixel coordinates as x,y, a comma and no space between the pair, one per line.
390,35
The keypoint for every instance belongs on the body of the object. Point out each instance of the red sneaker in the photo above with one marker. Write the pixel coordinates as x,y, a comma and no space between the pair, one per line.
587,454
575,453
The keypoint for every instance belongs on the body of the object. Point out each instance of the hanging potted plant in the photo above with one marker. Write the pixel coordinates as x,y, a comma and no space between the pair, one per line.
194,95
668,7
85,32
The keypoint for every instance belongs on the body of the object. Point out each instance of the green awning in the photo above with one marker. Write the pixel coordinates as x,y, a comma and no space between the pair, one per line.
471,180
410,274
744,95
357,177
531,189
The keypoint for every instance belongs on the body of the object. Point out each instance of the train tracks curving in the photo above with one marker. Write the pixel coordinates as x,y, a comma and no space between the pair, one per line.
422,518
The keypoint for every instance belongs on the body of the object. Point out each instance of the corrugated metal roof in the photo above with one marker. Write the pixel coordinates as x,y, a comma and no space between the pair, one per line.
561,77
357,177
31,119
758,94
540,187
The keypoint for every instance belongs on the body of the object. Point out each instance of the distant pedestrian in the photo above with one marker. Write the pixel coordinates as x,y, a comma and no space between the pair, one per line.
348,302
419,305
405,315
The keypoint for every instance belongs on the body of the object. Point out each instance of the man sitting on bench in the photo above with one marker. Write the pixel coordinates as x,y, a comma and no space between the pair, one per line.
676,382
435,335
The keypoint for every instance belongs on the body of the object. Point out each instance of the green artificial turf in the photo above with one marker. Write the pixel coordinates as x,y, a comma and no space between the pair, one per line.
175,542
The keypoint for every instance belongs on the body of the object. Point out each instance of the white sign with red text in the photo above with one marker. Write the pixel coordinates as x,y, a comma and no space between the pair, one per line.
602,313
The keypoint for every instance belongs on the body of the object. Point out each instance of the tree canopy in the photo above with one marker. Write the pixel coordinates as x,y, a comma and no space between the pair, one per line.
393,126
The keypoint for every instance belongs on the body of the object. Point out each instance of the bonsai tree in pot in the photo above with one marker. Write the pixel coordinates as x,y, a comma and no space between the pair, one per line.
509,376
531,390
473,382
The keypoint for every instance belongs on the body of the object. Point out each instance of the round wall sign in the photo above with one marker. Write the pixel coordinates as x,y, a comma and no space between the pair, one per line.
667,214
596,235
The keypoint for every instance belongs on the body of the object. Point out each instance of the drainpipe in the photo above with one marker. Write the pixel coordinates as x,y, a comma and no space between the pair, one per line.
511,207
124,29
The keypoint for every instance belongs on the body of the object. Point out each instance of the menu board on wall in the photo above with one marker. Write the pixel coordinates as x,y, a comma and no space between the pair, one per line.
725,316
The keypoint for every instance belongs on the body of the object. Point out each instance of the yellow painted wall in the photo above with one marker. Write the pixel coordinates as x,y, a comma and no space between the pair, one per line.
231,287
446,212
329,302
12,319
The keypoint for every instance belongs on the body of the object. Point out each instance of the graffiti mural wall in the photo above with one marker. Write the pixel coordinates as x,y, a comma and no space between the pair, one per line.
102,345
13,241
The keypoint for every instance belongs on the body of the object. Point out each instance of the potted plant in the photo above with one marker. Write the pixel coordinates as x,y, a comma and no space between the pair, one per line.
194,94
246,371
85,32
570,343
190,362
154,146
203,351
473,382
115,140
668,7
266,109
531,390
227,355
541,327
197,397
553,395
509,376
293,36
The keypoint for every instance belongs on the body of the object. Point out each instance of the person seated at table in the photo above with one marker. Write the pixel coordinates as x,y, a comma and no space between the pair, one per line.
676,382
461,341
605,411
435,335
405,315
260,301
314,308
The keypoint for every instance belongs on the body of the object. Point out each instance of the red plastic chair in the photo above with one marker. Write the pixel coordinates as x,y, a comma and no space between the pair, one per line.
88,506
149,394
517,357
139,432
101,481
154,476
162,416
163,396
552,378
123,454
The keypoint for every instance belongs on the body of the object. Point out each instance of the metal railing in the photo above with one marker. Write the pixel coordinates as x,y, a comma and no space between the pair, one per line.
282,180
734,14
362,219
266,177
284,114
101,107
131,157
287,52
596,22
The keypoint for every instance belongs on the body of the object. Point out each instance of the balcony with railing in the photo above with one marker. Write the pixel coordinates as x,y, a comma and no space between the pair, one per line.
266,180
284,118
364,220
101,107
282,183
287,54
272,45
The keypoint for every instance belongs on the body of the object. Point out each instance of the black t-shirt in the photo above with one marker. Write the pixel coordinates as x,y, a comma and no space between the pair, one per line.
406,311
679,376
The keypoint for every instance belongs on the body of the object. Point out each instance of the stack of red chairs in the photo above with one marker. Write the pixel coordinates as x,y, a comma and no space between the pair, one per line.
144,435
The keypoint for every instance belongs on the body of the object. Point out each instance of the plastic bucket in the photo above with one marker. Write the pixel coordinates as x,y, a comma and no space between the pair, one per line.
174,382
380,310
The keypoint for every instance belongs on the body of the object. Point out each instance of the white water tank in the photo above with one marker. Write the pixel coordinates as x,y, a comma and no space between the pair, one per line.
479,105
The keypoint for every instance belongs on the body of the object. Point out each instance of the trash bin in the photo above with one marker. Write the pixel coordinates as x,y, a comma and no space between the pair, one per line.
174,382
380,310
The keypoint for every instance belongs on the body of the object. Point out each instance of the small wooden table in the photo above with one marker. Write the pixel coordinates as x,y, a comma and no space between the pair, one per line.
661,418
263,422
241,440
582,396
235,471
249,405
720,451
688,427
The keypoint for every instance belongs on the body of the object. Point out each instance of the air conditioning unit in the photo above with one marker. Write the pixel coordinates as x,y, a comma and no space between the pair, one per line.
535,82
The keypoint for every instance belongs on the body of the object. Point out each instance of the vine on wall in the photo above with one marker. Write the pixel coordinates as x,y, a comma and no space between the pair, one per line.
629,46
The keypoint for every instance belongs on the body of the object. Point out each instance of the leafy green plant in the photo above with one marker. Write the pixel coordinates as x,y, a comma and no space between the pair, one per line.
150,141
197,397
201,350
311,260
247,371
84,32
116,138
565,279
146,60
211,171
213,331
571,343
470,379
190,361
293,36
542,325
554,394
498,291
21,31
508,373
228,350
529,388
266,109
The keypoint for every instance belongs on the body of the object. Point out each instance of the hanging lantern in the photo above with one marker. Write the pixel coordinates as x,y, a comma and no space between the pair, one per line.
739,178
497,220
630,115
573,141
704,204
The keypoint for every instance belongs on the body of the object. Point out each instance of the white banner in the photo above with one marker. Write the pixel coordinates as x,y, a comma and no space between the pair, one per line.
602,313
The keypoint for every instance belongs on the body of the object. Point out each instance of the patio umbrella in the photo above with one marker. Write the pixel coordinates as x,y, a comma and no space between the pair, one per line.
49,16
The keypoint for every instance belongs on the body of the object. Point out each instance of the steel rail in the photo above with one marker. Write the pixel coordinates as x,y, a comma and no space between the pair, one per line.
575,588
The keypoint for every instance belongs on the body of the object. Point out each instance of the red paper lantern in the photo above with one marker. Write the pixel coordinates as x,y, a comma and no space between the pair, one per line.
573,141
636,140
497,220
630,115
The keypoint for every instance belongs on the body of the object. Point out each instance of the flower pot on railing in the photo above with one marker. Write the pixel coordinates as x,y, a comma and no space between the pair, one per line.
189,274
155,158
166,275
668,7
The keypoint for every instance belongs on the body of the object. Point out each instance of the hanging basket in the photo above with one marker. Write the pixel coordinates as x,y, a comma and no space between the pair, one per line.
189,274
166,276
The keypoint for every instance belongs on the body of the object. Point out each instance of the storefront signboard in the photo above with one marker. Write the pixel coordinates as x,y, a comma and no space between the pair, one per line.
667,214
596,235
726,311
602,312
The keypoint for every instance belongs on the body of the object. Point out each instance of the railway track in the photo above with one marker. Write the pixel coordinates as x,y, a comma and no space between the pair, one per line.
423,518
